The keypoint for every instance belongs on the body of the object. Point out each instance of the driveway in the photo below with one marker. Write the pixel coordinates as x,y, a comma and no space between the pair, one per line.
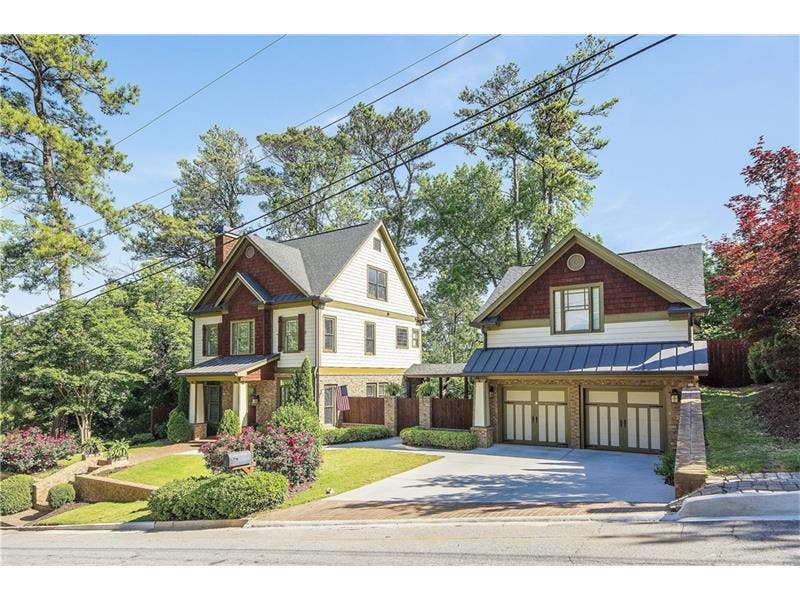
513,474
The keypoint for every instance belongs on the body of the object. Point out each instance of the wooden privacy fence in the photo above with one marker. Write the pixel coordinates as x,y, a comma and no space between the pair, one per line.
451,413
367,410
407,413
727,363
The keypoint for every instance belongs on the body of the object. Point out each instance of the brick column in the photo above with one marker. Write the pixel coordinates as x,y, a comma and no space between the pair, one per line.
425,407
390,414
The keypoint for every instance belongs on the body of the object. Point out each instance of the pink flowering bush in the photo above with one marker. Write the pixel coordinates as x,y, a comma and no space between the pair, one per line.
295,455
32,450
214,451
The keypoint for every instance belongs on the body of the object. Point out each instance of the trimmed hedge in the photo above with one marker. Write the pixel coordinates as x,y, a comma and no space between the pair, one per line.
229,425
439,438
61,494
16,494
228,496
178,429
360,433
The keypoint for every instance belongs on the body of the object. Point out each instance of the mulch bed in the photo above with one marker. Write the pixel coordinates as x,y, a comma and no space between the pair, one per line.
778,408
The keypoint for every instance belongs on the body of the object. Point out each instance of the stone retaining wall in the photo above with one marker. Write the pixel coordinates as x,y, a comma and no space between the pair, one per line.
690,451
65,475
91,488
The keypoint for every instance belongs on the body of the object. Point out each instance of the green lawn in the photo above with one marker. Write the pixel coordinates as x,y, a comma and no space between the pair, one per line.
164,469
342,470
735,443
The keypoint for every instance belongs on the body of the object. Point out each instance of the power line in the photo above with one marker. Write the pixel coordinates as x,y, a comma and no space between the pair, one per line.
449,141
242,170
197,91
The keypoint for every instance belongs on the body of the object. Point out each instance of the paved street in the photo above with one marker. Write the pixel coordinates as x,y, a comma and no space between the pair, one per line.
423,543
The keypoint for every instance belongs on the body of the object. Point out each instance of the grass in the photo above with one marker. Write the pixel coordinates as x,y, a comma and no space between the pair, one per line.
735,441
147,446
101,512
350,468
342,470
164,469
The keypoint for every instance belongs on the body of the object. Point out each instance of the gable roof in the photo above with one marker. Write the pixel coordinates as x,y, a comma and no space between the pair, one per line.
676,272
287,259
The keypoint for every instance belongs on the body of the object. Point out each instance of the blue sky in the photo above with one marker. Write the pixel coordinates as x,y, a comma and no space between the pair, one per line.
688,112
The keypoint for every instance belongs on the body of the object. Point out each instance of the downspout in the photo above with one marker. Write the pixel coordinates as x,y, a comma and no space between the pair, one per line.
316,351
191,320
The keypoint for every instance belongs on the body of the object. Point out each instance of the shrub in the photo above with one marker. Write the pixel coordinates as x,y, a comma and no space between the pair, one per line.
439,438
227,496
214,451
229,425
427,388
118,449
393,389
295,418
61,494
296,455
178,429
666,468
91,446
160,431
31,450
360,433
16,494
757,361
142,438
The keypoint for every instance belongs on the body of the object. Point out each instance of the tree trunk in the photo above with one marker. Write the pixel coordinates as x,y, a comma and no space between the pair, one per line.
517,235
547,241
57,210
84,426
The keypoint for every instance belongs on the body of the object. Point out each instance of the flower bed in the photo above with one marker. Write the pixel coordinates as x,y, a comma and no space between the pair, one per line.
32,450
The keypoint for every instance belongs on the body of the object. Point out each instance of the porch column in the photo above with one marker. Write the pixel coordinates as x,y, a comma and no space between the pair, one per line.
197,411
480,414
240,401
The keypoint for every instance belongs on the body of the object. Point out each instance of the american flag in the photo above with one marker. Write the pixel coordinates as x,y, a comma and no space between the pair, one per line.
342,401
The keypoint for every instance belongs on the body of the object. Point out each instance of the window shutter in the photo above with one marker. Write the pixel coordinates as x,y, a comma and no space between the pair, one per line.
301,332
204,341
280,334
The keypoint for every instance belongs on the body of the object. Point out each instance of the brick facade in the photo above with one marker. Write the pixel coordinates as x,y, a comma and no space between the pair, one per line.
622,294
574,386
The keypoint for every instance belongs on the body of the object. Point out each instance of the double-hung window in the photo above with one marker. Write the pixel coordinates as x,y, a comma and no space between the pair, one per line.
401,337
376,283
243,337
577,309
210,340
369,338
415,338
291,334
329,342
330,404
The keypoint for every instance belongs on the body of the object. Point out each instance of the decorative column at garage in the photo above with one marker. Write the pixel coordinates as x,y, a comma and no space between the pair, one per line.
480,414
425,408
197,411
240,401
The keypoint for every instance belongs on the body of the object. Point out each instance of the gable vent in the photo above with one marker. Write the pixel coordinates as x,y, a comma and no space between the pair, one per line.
249,252
575,262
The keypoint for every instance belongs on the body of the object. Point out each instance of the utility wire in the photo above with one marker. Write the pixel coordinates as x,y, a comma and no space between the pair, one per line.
451,140
264,157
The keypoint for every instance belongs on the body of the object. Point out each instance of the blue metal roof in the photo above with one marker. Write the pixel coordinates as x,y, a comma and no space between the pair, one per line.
648,358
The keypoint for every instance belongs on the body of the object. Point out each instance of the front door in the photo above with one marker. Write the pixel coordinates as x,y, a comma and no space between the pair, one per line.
212,394
535,415
619,419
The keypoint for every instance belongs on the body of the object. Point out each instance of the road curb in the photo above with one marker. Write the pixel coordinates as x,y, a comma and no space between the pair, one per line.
139,526
738,506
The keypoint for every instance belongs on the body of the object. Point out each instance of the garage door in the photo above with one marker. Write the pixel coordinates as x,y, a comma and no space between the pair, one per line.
535,416
618,419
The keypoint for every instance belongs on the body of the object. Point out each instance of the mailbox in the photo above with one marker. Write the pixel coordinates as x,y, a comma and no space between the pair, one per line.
233,460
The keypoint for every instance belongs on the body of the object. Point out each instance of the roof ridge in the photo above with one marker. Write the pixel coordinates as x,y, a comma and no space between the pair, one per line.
310,235
661,248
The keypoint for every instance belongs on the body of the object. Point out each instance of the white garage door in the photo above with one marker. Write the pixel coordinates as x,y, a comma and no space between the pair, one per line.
621,419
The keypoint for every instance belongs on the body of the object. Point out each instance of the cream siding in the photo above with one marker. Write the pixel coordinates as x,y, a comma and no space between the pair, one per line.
198,336
350,341
665,330
295,359
351,284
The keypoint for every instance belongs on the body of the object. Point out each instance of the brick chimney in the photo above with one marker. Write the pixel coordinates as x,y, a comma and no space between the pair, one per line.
223,244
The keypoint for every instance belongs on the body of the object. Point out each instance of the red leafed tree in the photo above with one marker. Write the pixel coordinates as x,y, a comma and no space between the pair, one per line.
761,260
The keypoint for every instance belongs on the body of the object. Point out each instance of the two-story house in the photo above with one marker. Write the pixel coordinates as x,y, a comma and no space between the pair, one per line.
590,349
342,298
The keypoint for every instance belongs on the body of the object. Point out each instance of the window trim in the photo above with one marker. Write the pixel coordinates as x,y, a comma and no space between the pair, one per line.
325,335
588,286
416,337
332,407
283,384
284,345
397,330
252,323
374,338
366,389
204,337
386,274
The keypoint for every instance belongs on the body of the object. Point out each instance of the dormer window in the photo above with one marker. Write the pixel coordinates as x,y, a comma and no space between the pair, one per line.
577,309
376,283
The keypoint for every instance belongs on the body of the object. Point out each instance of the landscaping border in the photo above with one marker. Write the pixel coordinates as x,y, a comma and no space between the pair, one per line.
690,450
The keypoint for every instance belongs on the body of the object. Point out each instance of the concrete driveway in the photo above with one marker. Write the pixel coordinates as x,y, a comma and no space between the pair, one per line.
510,474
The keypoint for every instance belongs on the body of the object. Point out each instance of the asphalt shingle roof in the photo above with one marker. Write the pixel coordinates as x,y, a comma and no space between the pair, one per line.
435,370
228,365
287,258
670,358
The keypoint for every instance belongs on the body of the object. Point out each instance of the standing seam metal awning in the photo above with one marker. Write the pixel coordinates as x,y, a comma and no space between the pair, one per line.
645,358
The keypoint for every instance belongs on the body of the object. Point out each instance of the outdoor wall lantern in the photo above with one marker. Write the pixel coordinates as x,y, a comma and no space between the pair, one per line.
254,400
674,396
